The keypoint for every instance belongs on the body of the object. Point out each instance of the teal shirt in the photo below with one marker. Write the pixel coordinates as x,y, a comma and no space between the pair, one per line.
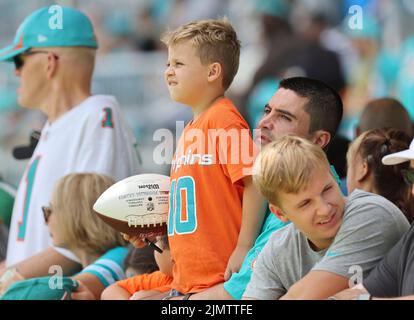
110,267
237,284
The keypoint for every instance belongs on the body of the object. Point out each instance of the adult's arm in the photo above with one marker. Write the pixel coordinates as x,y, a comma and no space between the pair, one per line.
316,285
216,292
90,287
411,297
383,280
353,293
39,264
115,292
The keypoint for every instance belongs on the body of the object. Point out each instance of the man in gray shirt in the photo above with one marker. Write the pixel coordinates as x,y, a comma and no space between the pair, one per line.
331,238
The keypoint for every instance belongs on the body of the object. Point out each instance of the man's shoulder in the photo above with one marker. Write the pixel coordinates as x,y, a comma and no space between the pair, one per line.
100,102
364,208
98,111
361,201
361,196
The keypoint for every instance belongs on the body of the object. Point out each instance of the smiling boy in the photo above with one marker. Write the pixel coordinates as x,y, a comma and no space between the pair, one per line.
330,235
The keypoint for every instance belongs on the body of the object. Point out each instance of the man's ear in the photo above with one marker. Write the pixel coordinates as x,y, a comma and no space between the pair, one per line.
214,71
321,138
278,213
52,64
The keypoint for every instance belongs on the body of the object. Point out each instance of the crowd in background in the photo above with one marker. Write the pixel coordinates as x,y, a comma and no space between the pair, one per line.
280,38
371,69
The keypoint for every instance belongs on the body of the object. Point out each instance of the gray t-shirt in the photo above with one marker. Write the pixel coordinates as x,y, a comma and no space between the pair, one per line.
371,226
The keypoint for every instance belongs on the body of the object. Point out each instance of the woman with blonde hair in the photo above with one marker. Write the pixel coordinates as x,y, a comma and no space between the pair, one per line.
73,223
75,226
366,171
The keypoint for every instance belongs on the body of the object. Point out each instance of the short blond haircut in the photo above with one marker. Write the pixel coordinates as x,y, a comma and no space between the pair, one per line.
215,41
72,202
286,165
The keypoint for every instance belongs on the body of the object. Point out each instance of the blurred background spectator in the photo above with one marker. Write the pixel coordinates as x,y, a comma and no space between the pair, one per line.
280,38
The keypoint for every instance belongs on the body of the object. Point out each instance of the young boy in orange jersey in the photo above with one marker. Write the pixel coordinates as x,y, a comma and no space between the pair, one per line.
215,211
147,284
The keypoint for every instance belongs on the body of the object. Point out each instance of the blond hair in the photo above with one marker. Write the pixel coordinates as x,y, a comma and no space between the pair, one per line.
353,148
286,165
81,228
215,41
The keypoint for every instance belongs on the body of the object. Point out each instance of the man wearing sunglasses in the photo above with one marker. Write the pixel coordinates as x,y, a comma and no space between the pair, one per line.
83,132
393,277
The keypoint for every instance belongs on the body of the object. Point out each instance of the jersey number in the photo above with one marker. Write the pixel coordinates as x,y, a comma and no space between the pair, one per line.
182,217
30,177
107,121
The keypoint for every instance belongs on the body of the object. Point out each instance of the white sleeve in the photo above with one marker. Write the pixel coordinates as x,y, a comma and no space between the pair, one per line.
66,253
106,149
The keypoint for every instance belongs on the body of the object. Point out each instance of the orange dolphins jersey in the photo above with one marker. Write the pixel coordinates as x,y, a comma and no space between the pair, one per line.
213,155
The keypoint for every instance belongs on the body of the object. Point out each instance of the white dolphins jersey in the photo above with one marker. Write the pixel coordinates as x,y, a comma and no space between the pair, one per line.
91,137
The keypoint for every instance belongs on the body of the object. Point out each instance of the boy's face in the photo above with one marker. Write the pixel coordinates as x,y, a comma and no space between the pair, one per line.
316,210
185,76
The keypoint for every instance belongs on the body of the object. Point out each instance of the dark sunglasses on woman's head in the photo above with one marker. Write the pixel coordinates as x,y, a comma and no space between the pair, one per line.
408,176
47,211
19,62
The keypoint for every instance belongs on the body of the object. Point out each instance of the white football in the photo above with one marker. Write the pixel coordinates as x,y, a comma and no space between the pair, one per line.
137,205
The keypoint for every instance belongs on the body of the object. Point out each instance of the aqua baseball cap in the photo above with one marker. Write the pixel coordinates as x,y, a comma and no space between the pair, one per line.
54,26
45,288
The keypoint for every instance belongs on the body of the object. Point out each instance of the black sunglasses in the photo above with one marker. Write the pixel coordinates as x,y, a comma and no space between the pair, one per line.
18,60
408,176
47,211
